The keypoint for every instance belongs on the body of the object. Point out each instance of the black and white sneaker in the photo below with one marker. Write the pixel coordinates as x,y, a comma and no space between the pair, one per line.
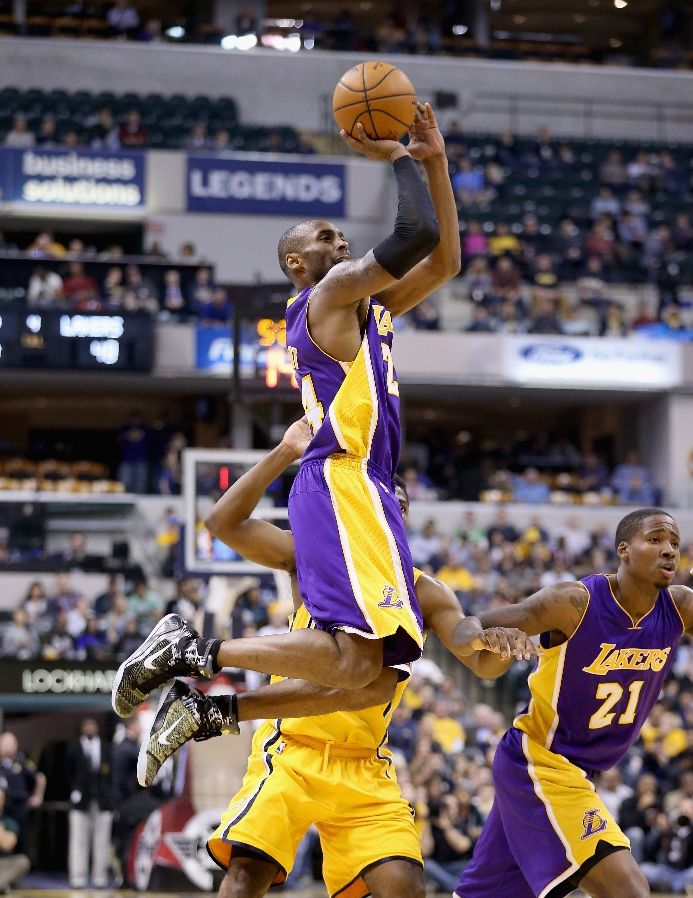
172,649
183,714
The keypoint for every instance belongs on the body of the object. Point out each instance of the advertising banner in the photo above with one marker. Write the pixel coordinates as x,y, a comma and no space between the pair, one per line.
113,180
258,187
587,362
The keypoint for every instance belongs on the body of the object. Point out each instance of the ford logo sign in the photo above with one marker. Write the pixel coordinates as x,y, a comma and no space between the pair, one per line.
551,353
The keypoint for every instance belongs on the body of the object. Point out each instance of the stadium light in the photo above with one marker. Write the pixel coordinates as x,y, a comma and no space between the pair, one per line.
460,29
236,42
175,32
620,4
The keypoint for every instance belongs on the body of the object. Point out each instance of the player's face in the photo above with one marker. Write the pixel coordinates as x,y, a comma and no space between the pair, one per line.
403,503
654,552
324,248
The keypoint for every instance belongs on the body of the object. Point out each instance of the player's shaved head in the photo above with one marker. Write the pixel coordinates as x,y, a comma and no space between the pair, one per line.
629,526
292,241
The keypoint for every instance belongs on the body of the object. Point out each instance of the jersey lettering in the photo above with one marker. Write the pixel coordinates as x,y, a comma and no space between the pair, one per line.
610,658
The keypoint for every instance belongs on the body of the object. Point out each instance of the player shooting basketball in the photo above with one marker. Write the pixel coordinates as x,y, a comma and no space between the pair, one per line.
354,567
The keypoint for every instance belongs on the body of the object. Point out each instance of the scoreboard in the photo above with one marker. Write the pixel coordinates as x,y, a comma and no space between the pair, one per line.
53,339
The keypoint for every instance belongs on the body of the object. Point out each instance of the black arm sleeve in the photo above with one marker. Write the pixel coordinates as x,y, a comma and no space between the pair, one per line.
416,232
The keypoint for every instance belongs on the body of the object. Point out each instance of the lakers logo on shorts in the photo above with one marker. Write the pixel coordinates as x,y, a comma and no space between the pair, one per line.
592,823
391,598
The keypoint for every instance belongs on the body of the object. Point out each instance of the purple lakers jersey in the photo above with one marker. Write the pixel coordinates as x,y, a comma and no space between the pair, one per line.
352,407
591,695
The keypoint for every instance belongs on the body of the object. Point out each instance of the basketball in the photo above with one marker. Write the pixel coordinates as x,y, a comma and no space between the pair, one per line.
378,95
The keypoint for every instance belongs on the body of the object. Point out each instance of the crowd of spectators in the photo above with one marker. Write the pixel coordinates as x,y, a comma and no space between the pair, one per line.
76,276
547,230
534,470
425,28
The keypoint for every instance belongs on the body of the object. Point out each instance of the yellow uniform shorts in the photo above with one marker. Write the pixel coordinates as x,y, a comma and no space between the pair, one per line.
349,793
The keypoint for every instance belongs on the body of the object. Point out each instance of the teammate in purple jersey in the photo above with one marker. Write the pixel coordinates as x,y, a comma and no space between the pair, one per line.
354,567
609,641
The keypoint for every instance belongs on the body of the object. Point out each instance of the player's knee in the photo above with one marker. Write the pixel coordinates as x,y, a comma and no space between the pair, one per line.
403,880
247,878
360,662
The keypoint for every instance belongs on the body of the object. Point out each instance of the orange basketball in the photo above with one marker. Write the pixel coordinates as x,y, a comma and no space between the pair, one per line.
378,95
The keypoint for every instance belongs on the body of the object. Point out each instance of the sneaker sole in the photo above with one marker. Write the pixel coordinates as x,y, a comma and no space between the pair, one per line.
142,756
121,706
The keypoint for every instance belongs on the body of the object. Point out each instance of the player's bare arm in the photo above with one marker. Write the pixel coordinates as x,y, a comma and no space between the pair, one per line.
427,146
487,652
415,235
683,597
230,520
556,609
301,698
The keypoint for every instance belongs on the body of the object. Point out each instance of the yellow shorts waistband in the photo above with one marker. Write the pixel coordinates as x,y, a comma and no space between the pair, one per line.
334,749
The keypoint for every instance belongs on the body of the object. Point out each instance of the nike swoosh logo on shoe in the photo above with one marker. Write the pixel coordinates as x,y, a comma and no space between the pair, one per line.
163,740
148,661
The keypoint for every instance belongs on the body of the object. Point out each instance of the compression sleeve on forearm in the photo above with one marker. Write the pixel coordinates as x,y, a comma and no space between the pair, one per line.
416,231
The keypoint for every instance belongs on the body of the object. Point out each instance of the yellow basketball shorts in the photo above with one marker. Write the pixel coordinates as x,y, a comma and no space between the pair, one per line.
349,793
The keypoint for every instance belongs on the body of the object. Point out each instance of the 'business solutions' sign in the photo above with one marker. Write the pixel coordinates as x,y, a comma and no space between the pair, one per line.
73,178
258,187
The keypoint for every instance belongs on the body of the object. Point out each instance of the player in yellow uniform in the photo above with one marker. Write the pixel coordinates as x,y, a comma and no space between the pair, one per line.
332,769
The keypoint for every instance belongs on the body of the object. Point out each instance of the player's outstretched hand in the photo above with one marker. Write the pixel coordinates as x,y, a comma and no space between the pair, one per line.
297,437
506,642
381,150
425,138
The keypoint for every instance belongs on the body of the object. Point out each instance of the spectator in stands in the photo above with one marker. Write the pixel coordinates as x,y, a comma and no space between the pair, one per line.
133,469
35,604
402,733
683,232
65,597
173,300
18,639
613,323
132,133
544,151
640,171
19,136
455,826
103,130
103,603
503,526
544,275
140,294
304,145
576,320
144,603
116,621
171,474
221,140
506,279
123,19
48,132
544,319
530,487
218,310
474,242
605,203
248,611
198,138
23,785
502,242
89,777
593,474
672,869
469,184
426,544
613,791
627,473
45,246
113,290
80,288
45,287
600,242
612,171
92,643
188,599
13,864
570,246
592,289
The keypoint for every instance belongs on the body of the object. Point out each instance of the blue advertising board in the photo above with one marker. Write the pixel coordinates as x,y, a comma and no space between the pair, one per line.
257,187
113,180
